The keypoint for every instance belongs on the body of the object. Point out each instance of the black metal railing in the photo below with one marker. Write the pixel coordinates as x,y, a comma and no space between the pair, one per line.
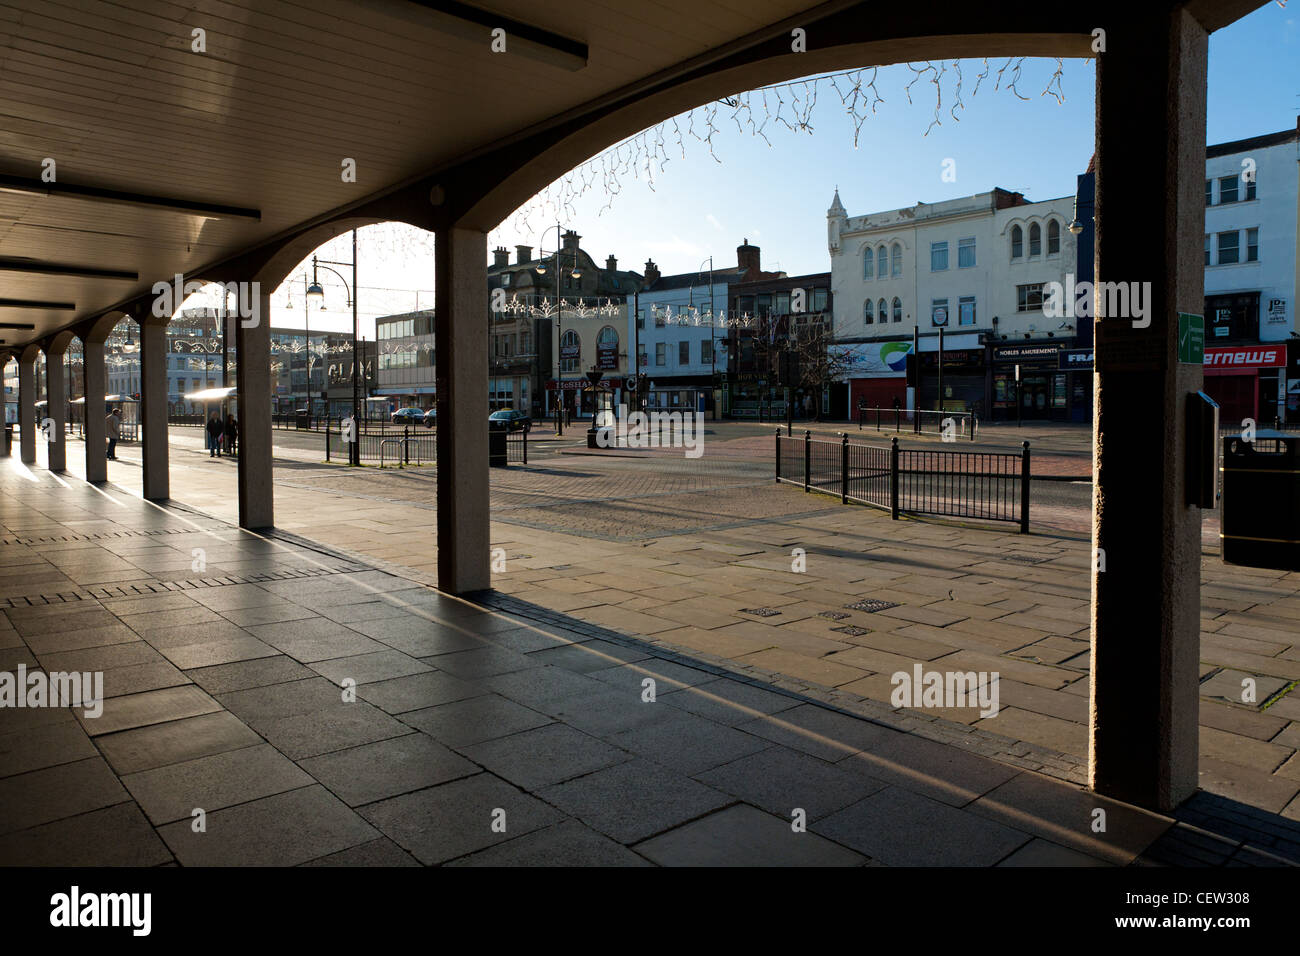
989,486
919,421
401,445
517,448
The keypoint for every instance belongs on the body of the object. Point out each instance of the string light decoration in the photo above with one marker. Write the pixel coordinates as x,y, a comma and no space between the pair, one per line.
645,155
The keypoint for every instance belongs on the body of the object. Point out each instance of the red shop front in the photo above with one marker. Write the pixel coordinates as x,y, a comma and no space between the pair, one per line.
1244,380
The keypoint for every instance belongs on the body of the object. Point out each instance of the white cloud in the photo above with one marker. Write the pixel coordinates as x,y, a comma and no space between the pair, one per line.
713,221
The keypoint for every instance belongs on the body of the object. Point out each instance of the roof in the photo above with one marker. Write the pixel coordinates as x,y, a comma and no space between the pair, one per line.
1254,142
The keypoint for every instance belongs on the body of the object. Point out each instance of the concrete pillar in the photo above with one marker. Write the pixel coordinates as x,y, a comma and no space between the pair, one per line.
463,512
56,409
1150,215
253,379
27,405
156,479
95,380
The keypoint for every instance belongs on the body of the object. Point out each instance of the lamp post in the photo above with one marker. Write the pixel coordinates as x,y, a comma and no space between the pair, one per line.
316,292
559,315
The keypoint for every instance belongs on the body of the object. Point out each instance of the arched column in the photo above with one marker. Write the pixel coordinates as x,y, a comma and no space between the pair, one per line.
155,479
56,406
253,380
95,379
1151,91
27,403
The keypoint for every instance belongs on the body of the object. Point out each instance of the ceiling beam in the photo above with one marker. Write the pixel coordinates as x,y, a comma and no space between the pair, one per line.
20,264
32,304
20,184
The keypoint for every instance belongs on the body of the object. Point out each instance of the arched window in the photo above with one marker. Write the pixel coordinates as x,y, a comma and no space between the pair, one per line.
1017,242
1053,237
867,262
868,317
898,309
882,310
570,351
897,260
607,348
1035,240
882,262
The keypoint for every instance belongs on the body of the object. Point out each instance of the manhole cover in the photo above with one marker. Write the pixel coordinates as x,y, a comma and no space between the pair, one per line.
852,630
833,615
871,606
759,611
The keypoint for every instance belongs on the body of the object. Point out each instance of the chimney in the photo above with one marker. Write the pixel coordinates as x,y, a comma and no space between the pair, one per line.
523,254
747,258
611,264
651,273
571,240
502,257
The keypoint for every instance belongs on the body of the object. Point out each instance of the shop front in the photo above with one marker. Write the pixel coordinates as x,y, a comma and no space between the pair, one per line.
1027,383
964,380
876,373
1248,381
577,397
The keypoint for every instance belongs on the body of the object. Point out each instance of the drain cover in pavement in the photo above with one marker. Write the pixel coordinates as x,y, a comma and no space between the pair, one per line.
871,606
852,630
833,615
1024,559
759,611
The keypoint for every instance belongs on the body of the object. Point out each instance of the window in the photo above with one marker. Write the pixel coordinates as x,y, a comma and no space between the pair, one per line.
683,353
661,353
1209,192
1250,189
1053,237
1252,245
881,306
1017,242
640,356
526,343
939,312
966,310
1207,248
573,345
898,309
966,253
819,300
1228,250
706,352
1035,240
896,260
938,256
868,264
505,280
868,316
781,303
659,317
640,319
1029,298
882,263
1227,189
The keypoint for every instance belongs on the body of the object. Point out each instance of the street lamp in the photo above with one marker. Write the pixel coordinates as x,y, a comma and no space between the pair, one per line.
559,315
316,293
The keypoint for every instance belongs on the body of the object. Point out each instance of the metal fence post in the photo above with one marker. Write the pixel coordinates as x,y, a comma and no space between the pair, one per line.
778,455
893,478
974,421
844,469
327,439
1024,488
525,446
406,444
807,458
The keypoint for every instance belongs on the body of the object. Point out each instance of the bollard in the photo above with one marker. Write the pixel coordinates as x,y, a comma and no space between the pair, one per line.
1024,488
893,478
807,459
844,469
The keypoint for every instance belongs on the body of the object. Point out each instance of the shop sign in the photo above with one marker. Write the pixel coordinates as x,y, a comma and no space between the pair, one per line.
1256,356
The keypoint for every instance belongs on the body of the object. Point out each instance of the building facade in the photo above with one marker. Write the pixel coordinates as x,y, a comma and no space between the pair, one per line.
1251,268
404,375
978,269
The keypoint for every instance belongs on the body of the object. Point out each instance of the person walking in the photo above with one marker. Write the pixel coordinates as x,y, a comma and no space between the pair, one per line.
214,430
113,428
232,434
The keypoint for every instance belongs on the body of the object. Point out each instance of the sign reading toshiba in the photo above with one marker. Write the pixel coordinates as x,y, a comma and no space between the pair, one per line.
1253,356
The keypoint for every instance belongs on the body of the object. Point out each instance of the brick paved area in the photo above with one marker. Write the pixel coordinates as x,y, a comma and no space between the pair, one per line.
979,600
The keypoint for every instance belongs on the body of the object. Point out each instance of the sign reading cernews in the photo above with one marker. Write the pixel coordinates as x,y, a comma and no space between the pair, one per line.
1247,357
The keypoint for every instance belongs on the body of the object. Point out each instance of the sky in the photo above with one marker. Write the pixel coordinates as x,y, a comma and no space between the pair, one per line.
776,196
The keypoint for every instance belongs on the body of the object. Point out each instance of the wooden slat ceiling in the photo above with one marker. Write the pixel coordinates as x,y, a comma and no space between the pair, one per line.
286,90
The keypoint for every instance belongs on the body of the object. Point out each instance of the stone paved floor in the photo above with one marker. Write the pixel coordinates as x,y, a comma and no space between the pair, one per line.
226,695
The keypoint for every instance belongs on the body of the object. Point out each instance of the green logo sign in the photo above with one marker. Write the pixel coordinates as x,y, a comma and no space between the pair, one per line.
1191,338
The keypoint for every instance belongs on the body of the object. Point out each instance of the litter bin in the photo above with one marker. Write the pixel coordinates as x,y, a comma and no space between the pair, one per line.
302,419
9,441
497,448
1261,501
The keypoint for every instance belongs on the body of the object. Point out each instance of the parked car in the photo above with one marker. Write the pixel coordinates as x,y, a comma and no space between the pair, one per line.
510,420
408,416
431,417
